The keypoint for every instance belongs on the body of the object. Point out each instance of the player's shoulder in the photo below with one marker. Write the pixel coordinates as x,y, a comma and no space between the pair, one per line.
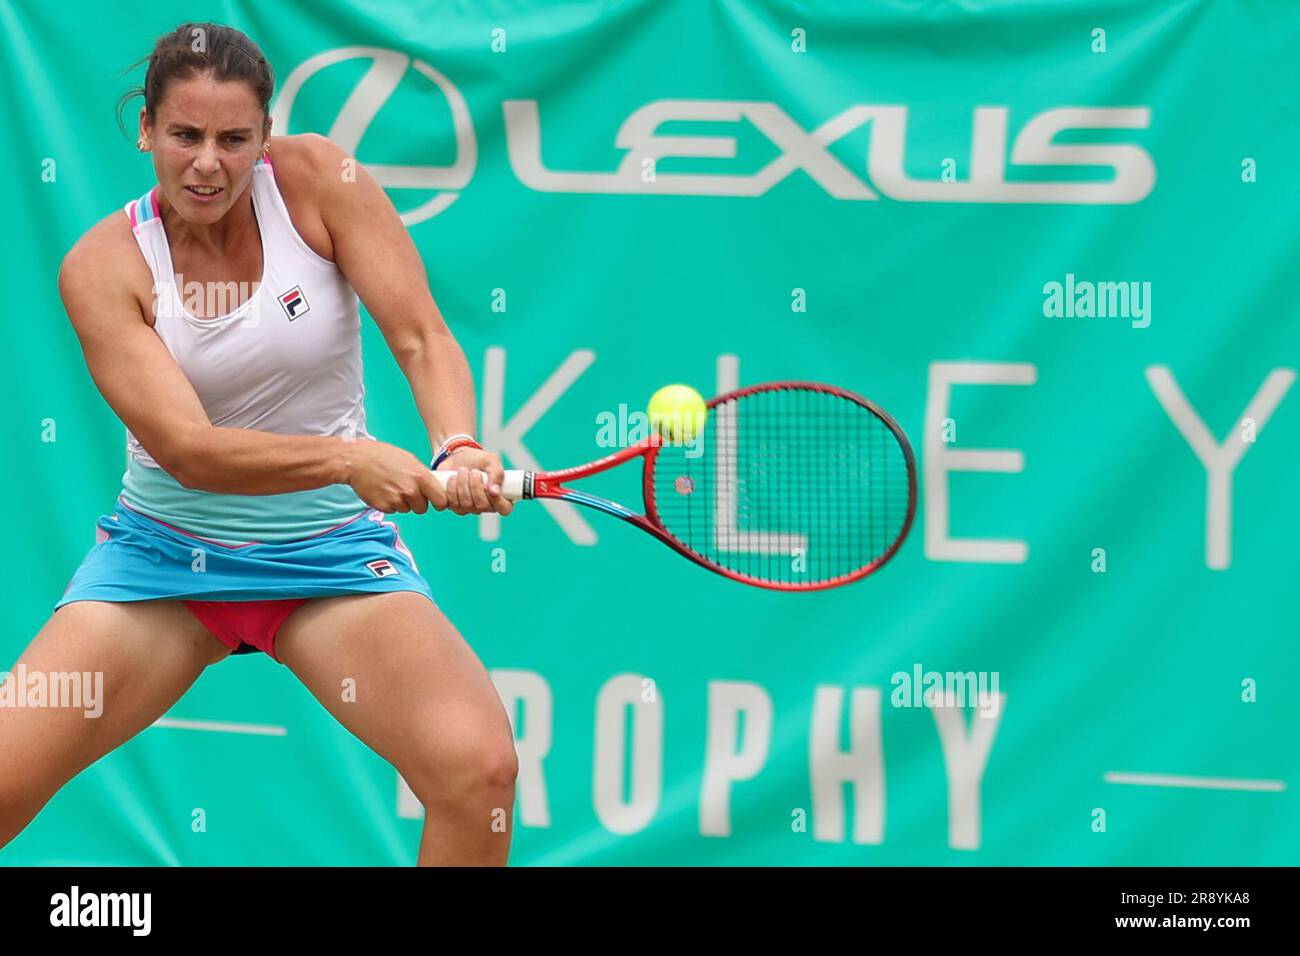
105,257
306,161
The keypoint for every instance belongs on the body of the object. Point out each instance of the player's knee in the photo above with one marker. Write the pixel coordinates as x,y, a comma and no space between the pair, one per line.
489,768
482,769
502,770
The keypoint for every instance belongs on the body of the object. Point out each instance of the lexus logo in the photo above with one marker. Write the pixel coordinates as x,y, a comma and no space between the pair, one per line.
387,69
1131,168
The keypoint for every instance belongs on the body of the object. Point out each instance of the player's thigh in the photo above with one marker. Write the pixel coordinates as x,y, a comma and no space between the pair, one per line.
395,672
135,659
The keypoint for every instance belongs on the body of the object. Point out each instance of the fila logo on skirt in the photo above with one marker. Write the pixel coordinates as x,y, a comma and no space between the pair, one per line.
383,568
294,303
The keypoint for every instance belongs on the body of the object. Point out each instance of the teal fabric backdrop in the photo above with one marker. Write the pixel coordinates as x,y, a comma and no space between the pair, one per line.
915,201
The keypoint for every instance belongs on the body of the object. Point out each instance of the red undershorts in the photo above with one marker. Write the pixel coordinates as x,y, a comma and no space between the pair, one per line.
245,626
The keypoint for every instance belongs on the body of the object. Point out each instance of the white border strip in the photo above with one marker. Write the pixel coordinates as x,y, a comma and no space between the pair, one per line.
1205,783
222,727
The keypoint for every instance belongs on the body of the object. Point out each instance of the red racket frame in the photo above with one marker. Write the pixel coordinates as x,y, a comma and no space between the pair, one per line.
550,484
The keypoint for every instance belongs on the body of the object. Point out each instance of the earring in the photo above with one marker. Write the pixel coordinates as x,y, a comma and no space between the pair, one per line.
142,145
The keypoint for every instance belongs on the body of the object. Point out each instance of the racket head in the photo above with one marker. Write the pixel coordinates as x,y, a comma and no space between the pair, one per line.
797,486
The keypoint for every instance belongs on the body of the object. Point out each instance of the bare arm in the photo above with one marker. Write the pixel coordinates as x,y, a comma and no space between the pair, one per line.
375,252
150,394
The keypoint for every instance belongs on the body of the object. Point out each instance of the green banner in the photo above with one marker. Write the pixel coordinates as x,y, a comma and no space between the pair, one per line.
1053,241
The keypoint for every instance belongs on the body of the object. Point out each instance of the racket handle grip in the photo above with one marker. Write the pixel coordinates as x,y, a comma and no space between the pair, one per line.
512,485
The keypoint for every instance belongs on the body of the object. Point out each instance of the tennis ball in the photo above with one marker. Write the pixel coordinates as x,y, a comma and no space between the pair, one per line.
677,412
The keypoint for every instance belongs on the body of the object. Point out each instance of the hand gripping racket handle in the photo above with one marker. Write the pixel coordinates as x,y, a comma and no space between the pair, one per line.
512,485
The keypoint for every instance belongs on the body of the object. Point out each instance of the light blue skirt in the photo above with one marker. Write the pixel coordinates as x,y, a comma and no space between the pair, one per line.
138,558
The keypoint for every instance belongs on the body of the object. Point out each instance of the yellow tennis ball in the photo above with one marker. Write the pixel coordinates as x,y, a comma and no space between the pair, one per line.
677,412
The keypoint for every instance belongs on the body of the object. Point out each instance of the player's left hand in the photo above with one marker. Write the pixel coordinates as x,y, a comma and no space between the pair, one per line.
467,493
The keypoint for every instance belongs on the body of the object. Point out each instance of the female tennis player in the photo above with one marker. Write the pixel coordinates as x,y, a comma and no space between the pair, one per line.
252,513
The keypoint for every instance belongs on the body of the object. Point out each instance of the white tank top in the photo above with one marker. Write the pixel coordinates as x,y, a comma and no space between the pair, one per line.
288,360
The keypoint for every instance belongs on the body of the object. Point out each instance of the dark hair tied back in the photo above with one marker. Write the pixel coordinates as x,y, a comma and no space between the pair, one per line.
197,49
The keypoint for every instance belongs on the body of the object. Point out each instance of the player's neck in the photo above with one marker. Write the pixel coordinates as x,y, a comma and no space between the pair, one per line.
235,229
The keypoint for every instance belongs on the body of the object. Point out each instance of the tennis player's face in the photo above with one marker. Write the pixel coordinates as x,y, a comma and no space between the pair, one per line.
206,136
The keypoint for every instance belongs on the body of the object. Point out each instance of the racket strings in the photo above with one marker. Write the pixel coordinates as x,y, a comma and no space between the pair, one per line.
794,486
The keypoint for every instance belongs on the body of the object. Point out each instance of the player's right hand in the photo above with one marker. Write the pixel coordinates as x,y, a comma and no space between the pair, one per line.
391,479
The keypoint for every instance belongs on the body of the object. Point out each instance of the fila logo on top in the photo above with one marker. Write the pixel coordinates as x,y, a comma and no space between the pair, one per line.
294,303
1132,170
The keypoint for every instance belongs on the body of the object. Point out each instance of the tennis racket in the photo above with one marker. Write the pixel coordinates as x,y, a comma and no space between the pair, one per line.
795,486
